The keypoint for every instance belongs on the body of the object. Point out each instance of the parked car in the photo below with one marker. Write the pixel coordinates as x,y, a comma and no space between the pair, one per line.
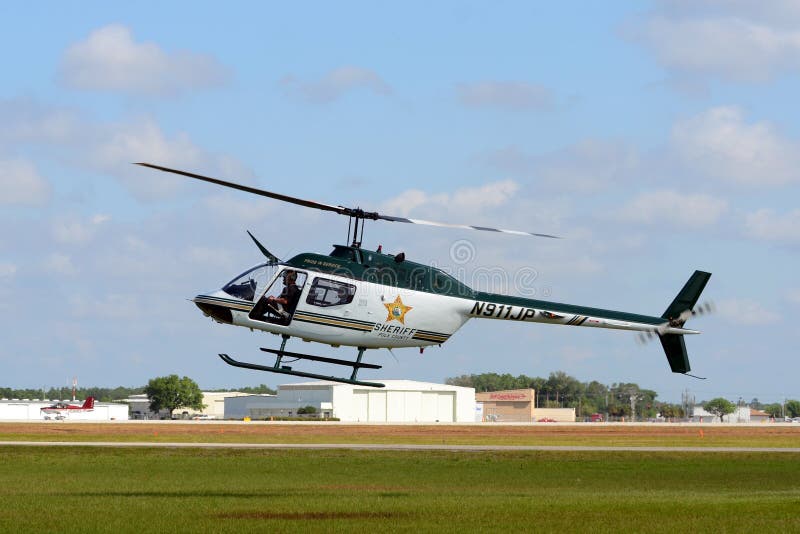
203,417
547,420
596,418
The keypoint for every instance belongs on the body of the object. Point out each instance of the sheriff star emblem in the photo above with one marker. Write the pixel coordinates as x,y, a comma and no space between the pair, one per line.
397,310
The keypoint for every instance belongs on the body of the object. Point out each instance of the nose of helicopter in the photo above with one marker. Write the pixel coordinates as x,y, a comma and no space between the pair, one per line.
212,306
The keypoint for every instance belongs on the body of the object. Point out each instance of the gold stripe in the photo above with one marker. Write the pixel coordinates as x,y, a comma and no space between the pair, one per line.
241,307
426,337
332,322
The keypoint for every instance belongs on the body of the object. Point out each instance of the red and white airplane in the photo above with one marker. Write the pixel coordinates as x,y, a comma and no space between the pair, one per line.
60,410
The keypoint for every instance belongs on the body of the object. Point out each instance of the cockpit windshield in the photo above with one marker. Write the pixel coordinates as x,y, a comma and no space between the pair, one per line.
251,282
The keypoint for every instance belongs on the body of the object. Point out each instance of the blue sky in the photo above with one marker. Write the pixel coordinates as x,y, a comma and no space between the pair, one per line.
657,138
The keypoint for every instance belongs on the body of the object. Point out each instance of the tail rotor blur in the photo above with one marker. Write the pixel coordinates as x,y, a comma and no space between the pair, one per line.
706,308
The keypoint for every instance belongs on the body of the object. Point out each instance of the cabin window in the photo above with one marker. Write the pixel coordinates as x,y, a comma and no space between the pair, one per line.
326,292
251,283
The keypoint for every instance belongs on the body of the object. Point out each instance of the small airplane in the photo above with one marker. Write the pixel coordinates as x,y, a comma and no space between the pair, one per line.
370,300
61,410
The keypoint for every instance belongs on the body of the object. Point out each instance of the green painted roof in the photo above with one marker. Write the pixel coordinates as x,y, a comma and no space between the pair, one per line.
371,266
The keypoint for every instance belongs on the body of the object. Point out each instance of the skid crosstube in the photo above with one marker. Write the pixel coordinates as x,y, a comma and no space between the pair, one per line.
286,370
334,361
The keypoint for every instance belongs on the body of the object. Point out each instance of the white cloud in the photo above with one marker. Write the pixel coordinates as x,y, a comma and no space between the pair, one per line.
746,312
60,264
720,143
25,119
335,84
793,296
238,209
7,269
668,208
143,140
588,166
111,147
741,41
467,200
509,96
110,60
21,185
112,306
74,231
767,225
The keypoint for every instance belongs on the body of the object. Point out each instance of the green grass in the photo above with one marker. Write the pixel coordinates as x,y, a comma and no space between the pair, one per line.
177,490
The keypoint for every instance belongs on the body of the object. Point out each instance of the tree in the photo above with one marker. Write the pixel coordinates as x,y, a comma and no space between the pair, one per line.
774,410
720,407
792,408
171,392
671,411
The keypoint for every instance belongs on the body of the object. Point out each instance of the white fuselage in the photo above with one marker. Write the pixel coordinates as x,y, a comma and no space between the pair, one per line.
381,316
378,316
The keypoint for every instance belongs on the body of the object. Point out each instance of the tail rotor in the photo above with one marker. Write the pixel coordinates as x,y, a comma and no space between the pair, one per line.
706,308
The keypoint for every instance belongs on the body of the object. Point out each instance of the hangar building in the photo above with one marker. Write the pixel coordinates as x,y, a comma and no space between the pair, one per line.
31,410
401,401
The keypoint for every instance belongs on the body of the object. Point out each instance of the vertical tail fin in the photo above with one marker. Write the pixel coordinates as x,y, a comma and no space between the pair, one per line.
673,344
88,404
687,297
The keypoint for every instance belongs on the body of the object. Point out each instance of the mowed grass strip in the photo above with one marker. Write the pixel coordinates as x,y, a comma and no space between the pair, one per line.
177,490
774,435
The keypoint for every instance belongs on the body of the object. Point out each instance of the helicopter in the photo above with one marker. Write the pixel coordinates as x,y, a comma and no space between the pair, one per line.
366,299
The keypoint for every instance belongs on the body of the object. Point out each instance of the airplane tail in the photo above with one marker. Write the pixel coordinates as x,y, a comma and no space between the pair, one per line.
676,315
88,404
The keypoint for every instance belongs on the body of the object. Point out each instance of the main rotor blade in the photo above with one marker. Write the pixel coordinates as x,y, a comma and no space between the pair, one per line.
254,190
351,212
464,226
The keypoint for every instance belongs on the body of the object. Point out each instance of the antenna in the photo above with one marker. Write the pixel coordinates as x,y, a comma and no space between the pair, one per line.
74,386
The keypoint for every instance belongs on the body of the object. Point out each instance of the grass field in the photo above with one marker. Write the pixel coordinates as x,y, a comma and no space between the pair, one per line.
179,490
776,435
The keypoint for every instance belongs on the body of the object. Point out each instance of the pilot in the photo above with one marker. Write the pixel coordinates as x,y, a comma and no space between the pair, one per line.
286,302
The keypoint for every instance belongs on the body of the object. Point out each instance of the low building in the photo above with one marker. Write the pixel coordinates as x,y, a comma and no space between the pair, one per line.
400,401
214,402
517,406
31,410
512,405
759,416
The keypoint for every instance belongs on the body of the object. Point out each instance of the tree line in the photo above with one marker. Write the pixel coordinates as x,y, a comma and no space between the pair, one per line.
560,390
104,394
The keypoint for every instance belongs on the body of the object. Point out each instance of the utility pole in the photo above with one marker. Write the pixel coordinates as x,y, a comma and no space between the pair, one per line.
633,398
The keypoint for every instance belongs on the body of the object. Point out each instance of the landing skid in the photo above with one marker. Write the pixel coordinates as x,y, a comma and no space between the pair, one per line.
277,367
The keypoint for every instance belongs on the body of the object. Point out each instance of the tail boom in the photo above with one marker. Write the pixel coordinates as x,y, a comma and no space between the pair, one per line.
669,326
505,308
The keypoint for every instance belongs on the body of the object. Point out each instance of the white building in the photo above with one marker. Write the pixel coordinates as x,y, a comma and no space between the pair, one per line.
401,401
31,410
740,415
214,402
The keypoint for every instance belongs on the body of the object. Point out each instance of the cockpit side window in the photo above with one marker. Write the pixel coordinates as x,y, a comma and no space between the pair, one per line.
324,292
